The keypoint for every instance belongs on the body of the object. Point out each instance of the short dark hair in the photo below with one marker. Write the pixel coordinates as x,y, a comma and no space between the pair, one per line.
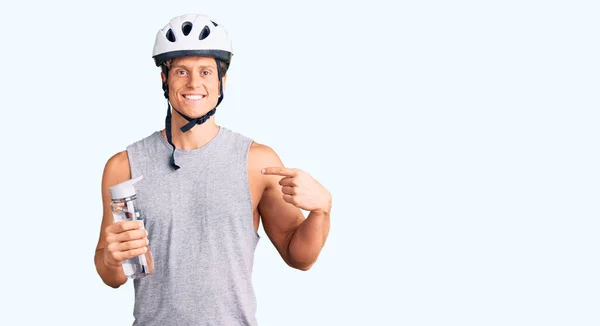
167,64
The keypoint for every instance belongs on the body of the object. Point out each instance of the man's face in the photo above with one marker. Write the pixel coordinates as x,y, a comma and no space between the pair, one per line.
193,85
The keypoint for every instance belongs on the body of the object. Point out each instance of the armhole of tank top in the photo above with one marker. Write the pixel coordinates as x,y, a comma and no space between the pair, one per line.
247,186
131,166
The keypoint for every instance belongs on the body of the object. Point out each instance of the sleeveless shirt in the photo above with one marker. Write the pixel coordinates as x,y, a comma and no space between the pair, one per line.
200,231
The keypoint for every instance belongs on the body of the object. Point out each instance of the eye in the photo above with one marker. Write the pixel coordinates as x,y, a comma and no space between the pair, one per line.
180,72
206,73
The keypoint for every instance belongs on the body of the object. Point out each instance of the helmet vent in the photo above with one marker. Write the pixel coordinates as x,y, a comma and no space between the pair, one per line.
214,23
170,36
186,28
205,32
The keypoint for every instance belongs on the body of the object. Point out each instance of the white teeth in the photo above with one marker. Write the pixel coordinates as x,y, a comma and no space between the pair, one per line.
193,97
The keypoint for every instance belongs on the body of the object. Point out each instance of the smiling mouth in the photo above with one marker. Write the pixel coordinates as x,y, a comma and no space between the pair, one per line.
194,97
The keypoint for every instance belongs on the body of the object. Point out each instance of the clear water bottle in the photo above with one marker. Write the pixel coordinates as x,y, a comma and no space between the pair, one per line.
123,205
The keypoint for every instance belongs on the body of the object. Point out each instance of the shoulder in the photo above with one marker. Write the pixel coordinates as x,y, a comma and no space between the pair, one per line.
118,160
259,155
233,136
147,141
263,156
117,169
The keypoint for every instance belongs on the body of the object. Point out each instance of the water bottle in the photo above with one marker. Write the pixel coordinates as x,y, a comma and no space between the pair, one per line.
123,205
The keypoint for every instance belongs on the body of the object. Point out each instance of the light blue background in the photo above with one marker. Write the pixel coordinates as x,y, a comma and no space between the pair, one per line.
459,140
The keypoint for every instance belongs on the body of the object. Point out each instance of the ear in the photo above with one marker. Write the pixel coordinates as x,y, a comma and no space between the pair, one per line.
224,80
163,77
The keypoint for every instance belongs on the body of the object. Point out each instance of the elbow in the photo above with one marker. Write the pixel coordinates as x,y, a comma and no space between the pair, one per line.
300,260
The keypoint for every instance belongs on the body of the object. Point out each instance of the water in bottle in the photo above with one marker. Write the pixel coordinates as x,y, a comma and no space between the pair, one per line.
124,208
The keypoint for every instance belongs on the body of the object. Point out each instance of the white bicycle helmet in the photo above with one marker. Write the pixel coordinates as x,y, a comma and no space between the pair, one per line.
192,35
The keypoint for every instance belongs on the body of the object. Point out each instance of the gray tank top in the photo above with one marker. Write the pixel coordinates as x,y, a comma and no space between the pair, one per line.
201,232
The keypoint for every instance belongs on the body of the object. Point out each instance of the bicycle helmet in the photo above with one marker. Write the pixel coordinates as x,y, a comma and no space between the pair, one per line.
192,35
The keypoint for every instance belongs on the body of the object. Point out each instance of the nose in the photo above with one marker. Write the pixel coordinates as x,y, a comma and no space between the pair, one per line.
194,81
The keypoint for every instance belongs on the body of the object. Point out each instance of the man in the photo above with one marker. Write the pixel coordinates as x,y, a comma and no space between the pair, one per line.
203,192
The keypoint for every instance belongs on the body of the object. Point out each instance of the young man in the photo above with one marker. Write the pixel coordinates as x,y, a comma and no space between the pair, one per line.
203,192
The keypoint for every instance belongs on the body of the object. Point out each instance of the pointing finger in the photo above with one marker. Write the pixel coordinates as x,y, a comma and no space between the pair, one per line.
284,172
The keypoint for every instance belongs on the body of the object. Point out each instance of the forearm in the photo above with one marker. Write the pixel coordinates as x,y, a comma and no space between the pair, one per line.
111,275
308,239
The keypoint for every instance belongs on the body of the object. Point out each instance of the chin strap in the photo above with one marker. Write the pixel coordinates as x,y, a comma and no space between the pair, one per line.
191,121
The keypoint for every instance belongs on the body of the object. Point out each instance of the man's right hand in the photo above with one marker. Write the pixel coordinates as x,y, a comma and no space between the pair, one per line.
124,240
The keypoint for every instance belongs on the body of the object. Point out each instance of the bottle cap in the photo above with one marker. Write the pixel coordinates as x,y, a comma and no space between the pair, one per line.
124,189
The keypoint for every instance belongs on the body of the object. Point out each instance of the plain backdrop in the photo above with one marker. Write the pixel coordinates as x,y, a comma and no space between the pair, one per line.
459,140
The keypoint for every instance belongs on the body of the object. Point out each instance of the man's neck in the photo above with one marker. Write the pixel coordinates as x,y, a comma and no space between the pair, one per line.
194,138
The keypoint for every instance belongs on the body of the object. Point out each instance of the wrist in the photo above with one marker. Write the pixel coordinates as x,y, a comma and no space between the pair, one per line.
323,211
326,207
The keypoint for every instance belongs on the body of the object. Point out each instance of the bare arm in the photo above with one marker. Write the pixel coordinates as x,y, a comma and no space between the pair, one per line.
117,241
299,241
308,240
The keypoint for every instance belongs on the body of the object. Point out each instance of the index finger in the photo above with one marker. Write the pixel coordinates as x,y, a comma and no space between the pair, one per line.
123,226
284,172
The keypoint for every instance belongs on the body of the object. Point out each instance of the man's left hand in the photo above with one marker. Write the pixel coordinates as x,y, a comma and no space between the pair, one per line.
301,189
